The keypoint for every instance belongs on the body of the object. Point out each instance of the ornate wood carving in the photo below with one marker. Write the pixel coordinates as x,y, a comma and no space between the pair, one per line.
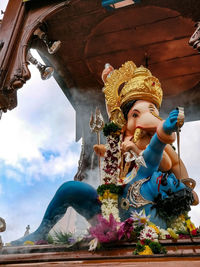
16,33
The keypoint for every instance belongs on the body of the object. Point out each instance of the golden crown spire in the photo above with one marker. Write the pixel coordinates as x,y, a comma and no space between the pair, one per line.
130,83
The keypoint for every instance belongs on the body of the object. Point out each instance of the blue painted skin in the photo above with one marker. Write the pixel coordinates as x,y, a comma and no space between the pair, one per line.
84,199
150,190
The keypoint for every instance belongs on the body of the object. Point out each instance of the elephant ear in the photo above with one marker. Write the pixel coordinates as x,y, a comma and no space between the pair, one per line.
173,205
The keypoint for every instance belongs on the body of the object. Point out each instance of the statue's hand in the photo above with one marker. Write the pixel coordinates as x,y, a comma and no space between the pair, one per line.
129,145
106,72
170,125
99,150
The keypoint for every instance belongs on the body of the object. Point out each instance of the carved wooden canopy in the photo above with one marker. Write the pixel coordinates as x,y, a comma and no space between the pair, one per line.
91,36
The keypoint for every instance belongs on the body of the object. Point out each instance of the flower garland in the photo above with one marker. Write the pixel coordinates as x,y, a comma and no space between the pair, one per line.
109,190
110,168
109,206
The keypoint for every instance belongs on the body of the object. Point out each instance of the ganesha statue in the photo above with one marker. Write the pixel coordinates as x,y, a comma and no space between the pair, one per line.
140,170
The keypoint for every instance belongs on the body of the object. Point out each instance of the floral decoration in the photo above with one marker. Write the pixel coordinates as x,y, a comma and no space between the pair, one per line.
172,233
126,229
148,233
190,226
93,244
28,242
109,207
105,230
147,251
147,247
41,242
110,168
109,190
115,189
140,217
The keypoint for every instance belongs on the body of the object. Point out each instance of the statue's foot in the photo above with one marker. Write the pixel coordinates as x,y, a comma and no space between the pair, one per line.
34,237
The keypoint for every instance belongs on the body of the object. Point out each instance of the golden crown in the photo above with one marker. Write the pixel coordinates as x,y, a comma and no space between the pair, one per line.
130,83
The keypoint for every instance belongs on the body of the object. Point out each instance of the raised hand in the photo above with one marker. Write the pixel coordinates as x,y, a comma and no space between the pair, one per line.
170,125
129,145
99,150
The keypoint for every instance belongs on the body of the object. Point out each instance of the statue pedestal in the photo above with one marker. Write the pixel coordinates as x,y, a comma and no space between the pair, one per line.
184,250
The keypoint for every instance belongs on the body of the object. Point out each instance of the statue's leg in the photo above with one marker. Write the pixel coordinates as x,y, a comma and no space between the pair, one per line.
81,196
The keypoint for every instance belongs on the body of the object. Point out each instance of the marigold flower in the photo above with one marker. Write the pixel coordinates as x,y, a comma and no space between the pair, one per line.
146,251
154,227
29,243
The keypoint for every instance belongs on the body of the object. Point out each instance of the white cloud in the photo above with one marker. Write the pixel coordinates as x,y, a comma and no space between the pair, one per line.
11,174
56,166
27,210
3,5
43,121
36,148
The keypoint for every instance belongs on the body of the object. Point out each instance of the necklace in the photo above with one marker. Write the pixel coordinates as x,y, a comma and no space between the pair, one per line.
133,197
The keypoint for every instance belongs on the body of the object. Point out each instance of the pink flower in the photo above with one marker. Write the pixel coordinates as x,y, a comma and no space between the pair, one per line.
126,229
41,242
105,231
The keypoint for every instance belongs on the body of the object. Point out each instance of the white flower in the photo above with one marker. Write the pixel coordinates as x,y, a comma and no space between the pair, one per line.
110,206
179,225
163,233
148,233
140,217
93,244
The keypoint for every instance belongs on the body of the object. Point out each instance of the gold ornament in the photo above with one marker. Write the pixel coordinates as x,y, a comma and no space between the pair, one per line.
138,134
117,117
130,83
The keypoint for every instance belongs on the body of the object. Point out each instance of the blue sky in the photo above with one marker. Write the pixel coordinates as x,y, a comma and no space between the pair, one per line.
38,153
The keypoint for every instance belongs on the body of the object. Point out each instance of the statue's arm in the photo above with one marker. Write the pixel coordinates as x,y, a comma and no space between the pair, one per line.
154,151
